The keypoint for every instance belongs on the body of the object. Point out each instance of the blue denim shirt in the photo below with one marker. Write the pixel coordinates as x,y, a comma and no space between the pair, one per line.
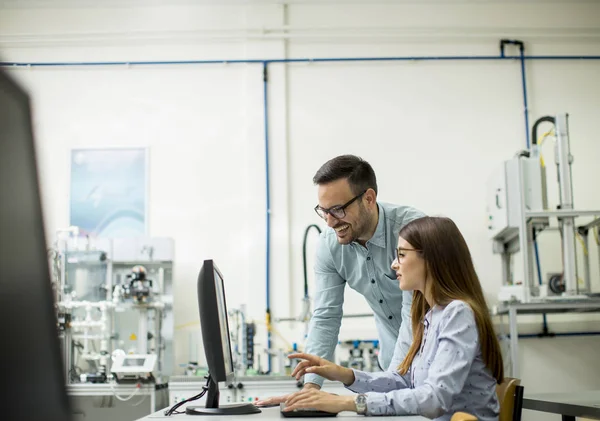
368,271
447,375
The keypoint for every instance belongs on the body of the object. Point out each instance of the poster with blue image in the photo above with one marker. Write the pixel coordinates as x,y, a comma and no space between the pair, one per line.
108,192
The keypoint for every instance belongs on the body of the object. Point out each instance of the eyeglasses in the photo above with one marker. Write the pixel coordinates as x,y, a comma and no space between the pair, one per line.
400,253
338,212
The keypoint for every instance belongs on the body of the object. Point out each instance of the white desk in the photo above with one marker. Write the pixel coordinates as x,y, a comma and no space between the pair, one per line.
267,414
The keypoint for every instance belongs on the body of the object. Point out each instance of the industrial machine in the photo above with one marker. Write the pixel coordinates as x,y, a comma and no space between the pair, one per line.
362,354
114,311
517,207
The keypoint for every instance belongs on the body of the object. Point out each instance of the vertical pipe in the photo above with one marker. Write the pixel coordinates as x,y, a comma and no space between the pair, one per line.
524,242
563,160
506,277
158,350
586,261
142,339
525,102
268,213
540,279
68,347
514,340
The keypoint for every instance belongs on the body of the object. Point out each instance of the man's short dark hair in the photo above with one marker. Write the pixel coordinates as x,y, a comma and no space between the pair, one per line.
357,171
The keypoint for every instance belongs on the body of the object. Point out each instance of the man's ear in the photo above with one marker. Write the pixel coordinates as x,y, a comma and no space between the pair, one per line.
371,196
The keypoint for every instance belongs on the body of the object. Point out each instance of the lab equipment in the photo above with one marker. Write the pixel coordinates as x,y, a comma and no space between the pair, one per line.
362,354
134,368
517,207
31,364
113,294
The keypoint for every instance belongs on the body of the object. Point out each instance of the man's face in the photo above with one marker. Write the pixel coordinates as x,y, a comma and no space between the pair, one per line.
355,221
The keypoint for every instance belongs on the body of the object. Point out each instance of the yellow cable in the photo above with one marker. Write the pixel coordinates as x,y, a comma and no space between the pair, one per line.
276,332
189,324
540,142
580,238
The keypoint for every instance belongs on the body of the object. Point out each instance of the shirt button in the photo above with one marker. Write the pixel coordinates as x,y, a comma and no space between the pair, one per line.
380,301
369,258
372,281
390,317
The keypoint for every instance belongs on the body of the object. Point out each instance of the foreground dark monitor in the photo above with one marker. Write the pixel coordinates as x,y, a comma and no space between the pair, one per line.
217,348
31,366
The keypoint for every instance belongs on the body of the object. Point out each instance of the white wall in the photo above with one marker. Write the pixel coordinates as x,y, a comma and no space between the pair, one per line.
432,130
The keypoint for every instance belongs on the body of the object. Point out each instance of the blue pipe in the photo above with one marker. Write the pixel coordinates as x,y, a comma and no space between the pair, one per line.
525,106
292,60
268,204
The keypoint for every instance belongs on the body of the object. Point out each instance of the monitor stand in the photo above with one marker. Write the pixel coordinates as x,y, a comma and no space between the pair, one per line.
212,405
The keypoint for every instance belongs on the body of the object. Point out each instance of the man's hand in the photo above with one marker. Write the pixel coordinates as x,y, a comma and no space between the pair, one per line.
317,365
276,400
318,399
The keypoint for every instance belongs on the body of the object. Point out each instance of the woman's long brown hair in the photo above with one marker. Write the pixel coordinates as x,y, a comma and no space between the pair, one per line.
450,268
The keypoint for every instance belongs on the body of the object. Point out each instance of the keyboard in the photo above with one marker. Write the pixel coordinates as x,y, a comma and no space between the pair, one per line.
305,412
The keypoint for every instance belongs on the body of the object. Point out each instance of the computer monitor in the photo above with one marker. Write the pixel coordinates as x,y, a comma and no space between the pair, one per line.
31,366
217,347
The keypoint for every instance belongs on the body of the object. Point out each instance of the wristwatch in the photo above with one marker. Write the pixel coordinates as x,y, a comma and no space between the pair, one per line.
361,404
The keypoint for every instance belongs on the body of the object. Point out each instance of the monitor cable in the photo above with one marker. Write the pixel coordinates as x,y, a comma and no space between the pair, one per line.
173,409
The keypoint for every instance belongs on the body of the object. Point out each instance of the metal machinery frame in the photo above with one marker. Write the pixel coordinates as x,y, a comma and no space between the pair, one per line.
517,212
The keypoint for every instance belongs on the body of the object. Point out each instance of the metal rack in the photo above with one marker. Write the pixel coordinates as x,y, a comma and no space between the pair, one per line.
591,305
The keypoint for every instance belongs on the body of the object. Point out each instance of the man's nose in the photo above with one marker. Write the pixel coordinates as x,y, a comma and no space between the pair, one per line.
331,220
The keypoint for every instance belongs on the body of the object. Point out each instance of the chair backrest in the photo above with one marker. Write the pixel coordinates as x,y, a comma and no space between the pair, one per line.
506,397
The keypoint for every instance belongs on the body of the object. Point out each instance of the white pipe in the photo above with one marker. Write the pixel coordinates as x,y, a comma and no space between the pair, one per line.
142,339
86,329
87,324
291,32
55,4
78,304
88,336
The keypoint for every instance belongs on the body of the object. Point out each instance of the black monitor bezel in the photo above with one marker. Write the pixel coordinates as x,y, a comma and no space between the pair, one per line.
208,308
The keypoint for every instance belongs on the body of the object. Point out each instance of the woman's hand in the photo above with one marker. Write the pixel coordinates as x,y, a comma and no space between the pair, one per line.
317,365
317,399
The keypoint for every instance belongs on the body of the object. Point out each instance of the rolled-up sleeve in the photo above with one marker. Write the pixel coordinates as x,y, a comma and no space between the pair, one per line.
457,347
326,319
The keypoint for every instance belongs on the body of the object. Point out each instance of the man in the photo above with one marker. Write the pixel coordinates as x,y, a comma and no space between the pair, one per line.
357,249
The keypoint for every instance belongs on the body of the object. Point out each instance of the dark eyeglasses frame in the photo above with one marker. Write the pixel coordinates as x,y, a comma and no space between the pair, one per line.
338,212
400,249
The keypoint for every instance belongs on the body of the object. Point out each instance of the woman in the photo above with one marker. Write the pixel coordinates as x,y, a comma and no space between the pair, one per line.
454,362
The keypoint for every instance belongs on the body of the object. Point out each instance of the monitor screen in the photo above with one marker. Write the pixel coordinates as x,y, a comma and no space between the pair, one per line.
223,322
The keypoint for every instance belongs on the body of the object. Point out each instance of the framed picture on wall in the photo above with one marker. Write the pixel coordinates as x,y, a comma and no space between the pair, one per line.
108,196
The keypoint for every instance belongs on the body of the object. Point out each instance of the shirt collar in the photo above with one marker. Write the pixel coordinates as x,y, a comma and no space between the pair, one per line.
429,315
378,238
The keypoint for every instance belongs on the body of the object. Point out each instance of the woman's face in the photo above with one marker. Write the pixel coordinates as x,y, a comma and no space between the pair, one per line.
409,267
